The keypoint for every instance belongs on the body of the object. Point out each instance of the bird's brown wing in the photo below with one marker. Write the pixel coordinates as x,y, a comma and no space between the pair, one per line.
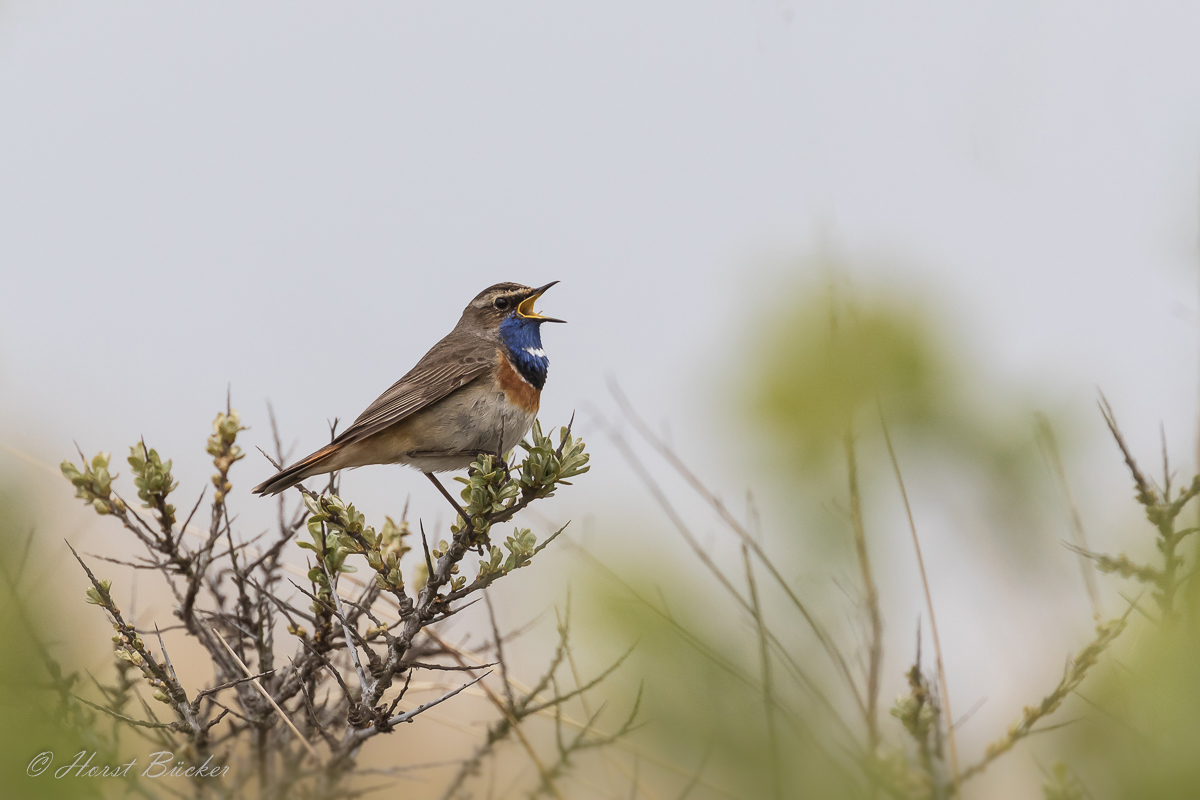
451,364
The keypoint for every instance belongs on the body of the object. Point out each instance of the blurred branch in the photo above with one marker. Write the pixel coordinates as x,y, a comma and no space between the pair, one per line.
1162,511
734,525
1076,671
764,657
937,644
875,654
1050,445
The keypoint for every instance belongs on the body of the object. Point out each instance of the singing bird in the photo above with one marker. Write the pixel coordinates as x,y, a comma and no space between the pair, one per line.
476,391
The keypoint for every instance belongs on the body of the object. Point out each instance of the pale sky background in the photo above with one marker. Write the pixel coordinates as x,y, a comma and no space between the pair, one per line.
298,199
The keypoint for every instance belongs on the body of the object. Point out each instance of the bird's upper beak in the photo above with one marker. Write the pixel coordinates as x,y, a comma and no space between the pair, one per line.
525,308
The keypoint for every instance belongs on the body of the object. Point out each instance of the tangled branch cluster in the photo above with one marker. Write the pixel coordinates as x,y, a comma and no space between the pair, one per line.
231,597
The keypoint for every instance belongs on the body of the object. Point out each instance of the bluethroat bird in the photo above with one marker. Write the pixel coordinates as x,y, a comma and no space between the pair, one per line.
476,391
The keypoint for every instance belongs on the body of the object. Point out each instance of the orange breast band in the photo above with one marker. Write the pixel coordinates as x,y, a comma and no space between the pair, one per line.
517,390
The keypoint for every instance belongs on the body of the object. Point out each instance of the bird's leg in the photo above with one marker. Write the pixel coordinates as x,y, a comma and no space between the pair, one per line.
450,498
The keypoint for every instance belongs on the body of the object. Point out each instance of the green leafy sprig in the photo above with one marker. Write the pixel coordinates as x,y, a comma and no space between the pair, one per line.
547,466
221,446
154,482
93,484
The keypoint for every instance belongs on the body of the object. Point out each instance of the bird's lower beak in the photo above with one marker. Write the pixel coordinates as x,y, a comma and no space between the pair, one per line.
525,309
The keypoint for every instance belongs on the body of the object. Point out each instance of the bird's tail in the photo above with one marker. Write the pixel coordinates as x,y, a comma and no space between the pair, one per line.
318,463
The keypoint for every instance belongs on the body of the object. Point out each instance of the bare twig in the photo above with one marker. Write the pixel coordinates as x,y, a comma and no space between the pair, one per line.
499,640
254,680
366,685
172,726
230,684
408,716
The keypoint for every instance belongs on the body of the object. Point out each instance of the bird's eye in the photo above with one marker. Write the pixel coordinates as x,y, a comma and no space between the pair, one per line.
501,303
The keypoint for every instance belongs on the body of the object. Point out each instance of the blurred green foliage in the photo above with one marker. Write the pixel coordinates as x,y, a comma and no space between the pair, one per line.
37,717
825,357
703,698
836,358
1143,742
832,362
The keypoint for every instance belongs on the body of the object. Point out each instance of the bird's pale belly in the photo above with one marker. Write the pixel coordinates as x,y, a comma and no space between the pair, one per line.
449,434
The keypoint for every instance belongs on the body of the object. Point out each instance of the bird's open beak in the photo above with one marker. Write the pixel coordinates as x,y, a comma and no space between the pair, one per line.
525,308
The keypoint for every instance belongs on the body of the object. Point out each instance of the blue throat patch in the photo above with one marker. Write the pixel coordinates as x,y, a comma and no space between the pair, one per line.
523,339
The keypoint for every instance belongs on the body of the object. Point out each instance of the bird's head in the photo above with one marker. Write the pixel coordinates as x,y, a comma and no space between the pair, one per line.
510,302
505,312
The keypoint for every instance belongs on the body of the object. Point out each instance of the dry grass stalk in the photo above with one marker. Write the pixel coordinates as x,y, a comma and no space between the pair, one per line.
875,647
937,643
1078,533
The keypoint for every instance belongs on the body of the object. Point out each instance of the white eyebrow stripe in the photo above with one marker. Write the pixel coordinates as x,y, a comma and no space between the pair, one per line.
536,352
